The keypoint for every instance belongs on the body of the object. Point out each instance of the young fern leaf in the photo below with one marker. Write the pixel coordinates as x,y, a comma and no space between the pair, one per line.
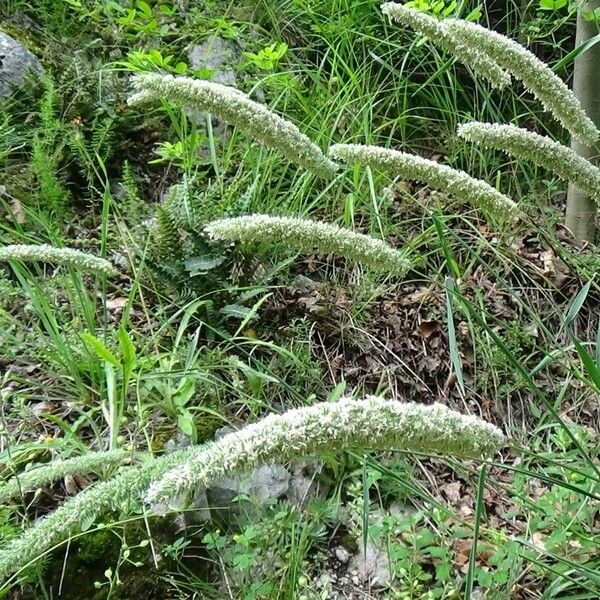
535,75
45,474
236,108
541,150
372,422
433,30
413,167
306,235
61,256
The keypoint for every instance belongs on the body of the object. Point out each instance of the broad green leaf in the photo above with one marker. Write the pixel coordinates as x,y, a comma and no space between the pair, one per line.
100,349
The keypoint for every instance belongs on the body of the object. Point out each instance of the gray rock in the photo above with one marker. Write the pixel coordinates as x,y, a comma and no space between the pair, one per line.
342,554
220,56
222,432
229,501
16,63
372,565
303,483
199,511
270,482
178,442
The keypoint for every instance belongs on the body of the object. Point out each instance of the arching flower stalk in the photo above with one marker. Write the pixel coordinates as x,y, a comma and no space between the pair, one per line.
496,57
306,235
80,512
61,256
541,150
372,423
444,178
45,474
236,108
437,34
536,76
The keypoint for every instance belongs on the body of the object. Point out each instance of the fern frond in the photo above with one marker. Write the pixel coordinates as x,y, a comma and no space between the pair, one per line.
168,244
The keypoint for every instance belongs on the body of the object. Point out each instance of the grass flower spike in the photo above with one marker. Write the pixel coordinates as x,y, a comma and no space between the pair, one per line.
307,235
61,256
80,512
413,167
44,474
434,30
236,108
372,422
536,76
539,149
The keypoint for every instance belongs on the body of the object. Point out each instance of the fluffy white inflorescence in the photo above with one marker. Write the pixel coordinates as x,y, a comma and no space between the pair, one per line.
44,474
536,76
236,108
433,29
81,511
409,166
307,235
372,422
541,150
62,256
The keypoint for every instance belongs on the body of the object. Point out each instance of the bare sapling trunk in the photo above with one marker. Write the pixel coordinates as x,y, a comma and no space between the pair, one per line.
581,208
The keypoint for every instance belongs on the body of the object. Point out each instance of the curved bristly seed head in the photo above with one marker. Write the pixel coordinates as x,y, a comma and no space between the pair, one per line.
61,256
433,29
306,235
236,108
442,177
541,150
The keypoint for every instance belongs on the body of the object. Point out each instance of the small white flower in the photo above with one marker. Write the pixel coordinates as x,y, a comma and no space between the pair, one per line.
433,29
444,178
236,108
306,235
61,256
541,150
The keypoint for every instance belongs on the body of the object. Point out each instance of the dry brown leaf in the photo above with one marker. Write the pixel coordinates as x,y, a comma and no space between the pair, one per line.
116,303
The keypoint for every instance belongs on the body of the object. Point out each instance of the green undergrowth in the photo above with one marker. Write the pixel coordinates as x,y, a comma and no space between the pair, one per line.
495,319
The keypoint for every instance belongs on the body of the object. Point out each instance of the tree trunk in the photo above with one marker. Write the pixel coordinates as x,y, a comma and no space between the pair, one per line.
581,209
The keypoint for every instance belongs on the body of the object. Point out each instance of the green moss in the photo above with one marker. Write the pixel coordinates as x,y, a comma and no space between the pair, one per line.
27,38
